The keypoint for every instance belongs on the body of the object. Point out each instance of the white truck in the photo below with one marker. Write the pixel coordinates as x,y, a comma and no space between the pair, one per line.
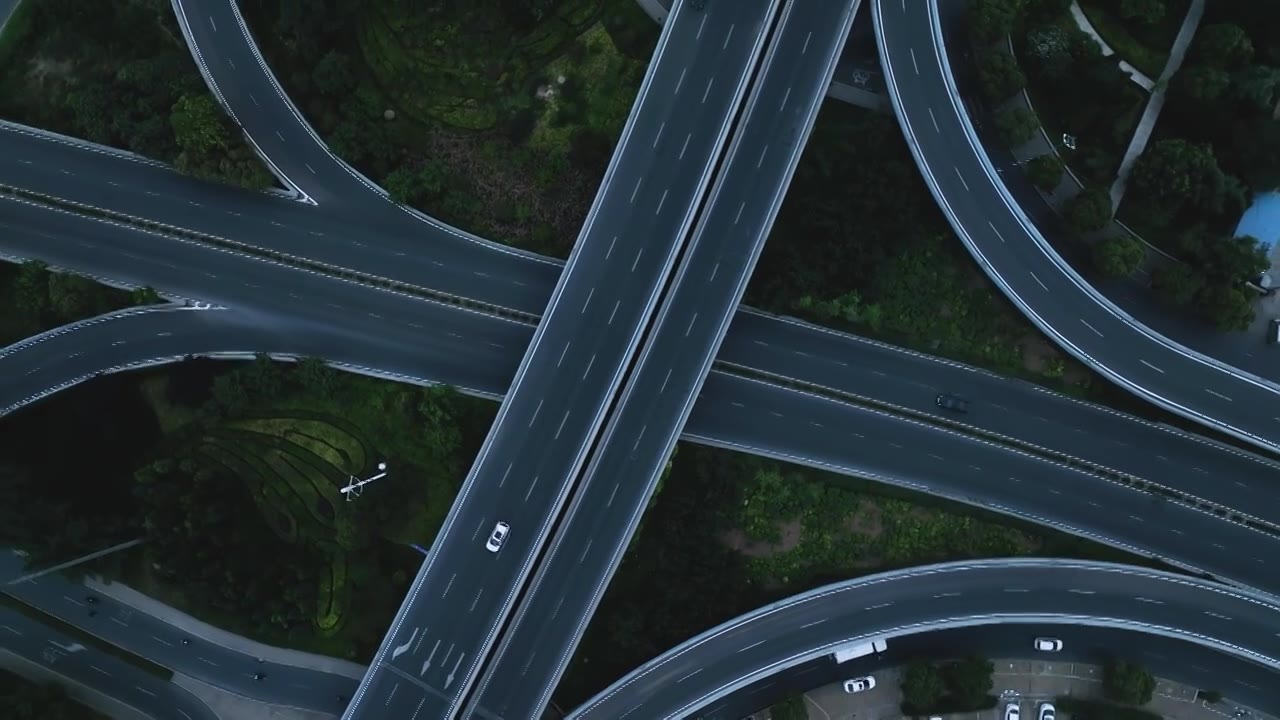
857,650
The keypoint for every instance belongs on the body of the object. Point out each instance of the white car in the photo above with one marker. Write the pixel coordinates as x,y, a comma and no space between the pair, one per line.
858,685
496,537
1048,644
1011,711
1046,711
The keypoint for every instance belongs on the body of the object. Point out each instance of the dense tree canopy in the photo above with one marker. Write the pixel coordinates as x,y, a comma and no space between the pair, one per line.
1090,210
118,72
1118,256
1127,682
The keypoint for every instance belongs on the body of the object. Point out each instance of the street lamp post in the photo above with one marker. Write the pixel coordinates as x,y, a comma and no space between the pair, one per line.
353,488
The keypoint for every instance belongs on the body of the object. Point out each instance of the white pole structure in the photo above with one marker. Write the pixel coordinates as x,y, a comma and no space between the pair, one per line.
83,558
353,488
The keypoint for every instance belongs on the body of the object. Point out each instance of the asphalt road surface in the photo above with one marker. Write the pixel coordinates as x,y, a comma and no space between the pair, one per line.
675,361
479,353
797,351
394,246
1045,591
407,338
574,364
1054,299
160,642
92,668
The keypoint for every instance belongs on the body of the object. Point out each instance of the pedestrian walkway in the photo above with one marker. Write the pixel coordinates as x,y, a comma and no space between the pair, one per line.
1147,123
146,604
1082,22
1028,681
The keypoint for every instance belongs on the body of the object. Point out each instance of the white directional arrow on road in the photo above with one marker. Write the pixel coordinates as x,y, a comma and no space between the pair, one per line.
401,649
427,664
449,680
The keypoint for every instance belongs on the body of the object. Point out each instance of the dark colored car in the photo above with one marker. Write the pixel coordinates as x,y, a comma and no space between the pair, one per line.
698,4
954,403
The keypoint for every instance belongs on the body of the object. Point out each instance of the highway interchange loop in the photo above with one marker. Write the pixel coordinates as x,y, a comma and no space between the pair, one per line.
514,281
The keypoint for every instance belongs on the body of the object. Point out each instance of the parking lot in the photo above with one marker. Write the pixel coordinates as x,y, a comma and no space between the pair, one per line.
1027,682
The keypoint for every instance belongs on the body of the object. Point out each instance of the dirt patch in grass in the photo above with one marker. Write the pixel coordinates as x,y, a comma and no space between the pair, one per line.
790,533
513,196
1043,358
867,520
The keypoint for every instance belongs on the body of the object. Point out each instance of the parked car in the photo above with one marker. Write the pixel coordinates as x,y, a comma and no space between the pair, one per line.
955,403
497,536
1046,711
1273,331
858,685
1011,711
1048,644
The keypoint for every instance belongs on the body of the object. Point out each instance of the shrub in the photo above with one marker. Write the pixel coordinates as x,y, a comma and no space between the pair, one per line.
1016,125
1127,682
1118,256
1045,171
1090,210
999,75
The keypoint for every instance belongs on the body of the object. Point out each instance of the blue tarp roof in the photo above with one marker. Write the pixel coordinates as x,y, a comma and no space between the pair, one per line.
1262,220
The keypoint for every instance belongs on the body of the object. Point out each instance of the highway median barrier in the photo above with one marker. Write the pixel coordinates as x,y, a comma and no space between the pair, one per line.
1158,492
265,254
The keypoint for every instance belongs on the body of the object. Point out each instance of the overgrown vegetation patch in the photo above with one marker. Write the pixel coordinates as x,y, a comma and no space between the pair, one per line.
497,117
118,73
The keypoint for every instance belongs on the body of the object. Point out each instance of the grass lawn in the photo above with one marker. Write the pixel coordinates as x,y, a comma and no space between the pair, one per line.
794,525
292,459
1146,47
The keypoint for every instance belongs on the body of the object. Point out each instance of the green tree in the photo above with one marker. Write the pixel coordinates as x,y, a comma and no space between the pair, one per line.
1256,86
999,74
332,76
991,20
1046,10
790,709
1177,283
1045,171
922,687
315,375
1174,171
1209,696
197,125
1232,260
969,680
1017,125
1118,256
1090,210
73,297
418,184
1127,682
1148,12
1048,50
1224,45
144,296
1203,83
31,290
